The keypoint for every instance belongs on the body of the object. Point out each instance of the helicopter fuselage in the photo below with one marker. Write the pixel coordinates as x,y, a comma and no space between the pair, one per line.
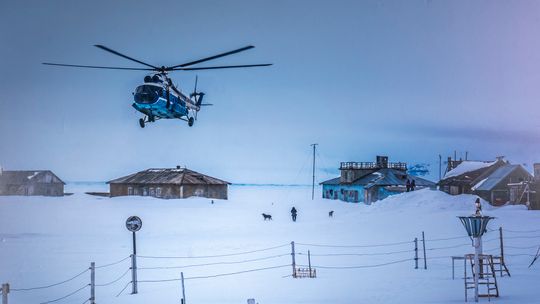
157,98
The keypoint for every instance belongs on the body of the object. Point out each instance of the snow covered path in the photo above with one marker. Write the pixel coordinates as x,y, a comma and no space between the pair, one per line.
48,240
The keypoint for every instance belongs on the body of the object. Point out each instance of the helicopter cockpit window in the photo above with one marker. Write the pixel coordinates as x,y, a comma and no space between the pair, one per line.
147,93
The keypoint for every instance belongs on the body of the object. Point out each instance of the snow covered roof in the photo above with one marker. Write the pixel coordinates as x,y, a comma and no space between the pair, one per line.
179,176
496,177
468,166
21,177
384,177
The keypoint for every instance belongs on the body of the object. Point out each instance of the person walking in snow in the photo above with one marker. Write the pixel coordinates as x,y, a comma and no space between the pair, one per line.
408,184
413,185
293,214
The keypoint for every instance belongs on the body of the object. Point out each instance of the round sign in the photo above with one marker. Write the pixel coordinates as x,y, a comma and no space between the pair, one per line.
134,223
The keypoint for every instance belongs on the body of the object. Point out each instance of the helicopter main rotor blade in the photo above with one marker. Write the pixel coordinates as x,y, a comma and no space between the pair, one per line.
124,56
221,67
213,57
96,67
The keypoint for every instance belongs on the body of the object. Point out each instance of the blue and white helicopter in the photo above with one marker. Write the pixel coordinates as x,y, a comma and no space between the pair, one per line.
158,98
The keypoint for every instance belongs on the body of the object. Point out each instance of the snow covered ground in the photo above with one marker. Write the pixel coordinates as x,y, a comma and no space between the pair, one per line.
46,240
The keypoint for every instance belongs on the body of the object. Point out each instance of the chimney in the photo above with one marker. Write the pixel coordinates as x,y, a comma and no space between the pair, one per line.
536,171
382,161
178,167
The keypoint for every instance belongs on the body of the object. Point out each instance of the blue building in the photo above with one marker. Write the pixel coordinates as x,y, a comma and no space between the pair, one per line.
371,181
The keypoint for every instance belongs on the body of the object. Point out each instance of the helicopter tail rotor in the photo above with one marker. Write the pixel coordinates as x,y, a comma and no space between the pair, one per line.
197,96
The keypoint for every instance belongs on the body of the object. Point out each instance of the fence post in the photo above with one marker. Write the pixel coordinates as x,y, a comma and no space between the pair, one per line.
183,288
133,274
93,283
293,260
424,249
5,291
415,253
309,263
502,249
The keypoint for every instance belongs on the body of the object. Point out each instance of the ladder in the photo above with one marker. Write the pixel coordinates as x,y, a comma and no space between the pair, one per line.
487,281
500,266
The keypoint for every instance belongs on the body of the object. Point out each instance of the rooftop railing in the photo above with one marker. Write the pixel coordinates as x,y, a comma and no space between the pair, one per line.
372,165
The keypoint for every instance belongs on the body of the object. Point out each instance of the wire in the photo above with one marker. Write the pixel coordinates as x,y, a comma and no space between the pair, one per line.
446,239
124,289
521,231
448,247
214,275
68,295
357,267
522,237
358,254
115,280
234,273
355,246
86,301
216,263
518,247
112,264
52,285
211,256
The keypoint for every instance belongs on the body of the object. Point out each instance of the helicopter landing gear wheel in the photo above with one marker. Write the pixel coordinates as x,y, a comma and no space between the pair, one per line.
191,120
141,122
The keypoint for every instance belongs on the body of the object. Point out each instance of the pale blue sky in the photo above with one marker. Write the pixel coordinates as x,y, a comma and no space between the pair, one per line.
409,79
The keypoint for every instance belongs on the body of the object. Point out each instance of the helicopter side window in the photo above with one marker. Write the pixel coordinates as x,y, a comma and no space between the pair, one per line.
147,93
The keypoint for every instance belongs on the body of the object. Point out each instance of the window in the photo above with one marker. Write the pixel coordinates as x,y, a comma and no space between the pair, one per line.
152,192
144,192
147,93
130,190
158,192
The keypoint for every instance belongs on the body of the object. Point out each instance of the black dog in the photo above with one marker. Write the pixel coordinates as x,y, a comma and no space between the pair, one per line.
331,213
267,216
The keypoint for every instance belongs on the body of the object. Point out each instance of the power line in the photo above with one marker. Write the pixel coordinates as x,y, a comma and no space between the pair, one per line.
521,231
448,247
358,254
357,267
216,263
115,280
112,264
211,256
214,275
355,246
66,296
51,285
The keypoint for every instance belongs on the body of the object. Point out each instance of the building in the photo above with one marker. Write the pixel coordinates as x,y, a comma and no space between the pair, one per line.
496,188
370,181
462,175
33,182
526,192
169,183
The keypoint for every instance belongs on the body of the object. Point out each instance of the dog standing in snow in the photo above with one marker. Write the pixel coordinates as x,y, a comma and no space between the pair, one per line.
331,213
267,216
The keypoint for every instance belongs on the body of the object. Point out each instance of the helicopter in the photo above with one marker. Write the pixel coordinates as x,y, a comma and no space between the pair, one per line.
158,98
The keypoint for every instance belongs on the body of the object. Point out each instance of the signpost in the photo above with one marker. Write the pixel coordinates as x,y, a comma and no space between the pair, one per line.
134,224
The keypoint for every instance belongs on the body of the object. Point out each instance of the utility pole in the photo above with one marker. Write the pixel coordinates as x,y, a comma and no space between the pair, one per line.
313,182
440,166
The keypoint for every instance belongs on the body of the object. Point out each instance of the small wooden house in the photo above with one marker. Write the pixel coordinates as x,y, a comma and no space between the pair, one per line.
370,181
526,192
169,183
496,187
461,176
32,182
